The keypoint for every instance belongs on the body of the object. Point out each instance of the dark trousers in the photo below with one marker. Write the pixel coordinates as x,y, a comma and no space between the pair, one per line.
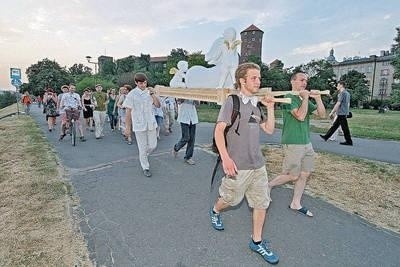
188,137
341,121
113,120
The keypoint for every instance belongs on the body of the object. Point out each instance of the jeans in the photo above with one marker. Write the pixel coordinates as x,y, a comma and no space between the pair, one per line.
113,120
188,137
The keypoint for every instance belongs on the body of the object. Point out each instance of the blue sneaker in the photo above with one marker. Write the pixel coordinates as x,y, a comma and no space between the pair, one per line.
216,221
264,251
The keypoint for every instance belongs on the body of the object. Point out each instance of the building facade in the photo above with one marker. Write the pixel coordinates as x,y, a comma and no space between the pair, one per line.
377,69
251,43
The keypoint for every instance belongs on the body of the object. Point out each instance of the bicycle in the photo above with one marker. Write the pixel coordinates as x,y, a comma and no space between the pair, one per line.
70,125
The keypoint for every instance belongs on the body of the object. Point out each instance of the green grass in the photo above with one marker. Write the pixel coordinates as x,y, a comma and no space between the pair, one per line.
364,124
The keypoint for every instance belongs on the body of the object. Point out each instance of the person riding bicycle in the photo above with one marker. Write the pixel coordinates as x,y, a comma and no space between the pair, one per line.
71,103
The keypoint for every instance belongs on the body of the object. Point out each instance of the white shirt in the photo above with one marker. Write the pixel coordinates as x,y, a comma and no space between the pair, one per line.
71,100
141,104
168,103
187,113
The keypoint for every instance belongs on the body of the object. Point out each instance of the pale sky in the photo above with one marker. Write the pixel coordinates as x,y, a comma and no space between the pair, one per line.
294,31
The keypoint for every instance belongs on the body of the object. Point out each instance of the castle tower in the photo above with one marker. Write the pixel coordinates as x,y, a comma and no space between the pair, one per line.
251,43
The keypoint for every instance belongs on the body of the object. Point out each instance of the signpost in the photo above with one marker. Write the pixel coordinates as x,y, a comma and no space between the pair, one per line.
15,75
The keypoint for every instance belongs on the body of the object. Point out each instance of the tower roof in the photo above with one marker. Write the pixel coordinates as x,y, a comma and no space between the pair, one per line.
251,28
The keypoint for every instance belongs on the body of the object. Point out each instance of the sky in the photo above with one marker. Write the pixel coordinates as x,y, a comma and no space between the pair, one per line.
294,31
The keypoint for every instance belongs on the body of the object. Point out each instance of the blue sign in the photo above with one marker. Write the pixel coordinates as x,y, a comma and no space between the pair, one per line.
15,73
16,82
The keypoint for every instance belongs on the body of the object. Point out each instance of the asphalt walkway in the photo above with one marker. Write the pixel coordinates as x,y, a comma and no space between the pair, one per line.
130,220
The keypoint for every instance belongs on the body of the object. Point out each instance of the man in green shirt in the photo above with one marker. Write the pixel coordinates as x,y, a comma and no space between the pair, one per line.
99,113
298,162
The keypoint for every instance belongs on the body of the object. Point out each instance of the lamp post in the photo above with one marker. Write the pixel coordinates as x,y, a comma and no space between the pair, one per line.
92,62
95,67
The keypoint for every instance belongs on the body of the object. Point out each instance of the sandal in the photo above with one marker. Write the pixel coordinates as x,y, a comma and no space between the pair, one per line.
303,210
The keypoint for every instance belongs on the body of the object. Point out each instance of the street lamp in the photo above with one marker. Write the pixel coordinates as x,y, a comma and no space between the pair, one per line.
93,62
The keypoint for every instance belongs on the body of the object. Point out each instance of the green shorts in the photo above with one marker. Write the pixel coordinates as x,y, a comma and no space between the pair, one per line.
297,159
250,183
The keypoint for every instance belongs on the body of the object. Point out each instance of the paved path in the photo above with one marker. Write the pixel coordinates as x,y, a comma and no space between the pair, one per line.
131,220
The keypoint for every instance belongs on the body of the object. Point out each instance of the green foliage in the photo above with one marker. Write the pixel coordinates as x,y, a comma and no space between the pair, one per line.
125,65
276,78
176,55
321,75
356,83
90,82
108,68
197,59
47,73
7,98
395,95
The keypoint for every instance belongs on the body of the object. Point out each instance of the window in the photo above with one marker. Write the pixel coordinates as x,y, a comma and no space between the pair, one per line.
253,39
383,84
385,63
362,69
385,72
253,32
369,69
245,33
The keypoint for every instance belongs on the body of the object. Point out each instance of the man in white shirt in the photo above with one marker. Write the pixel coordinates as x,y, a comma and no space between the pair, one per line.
187,117
140,118
71,103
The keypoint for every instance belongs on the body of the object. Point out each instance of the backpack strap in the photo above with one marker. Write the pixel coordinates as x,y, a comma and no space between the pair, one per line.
259,105
234,115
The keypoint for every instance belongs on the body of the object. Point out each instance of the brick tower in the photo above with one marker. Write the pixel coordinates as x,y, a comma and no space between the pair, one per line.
251,42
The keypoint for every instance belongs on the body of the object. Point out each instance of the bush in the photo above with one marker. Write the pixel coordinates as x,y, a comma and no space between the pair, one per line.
395,106
7,98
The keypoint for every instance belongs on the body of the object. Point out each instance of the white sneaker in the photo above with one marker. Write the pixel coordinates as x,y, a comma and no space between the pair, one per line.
190,161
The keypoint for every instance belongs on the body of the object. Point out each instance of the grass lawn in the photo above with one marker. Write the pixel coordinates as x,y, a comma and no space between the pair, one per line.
35,221
365,123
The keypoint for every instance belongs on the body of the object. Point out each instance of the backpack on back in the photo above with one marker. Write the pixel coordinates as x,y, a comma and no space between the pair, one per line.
234,115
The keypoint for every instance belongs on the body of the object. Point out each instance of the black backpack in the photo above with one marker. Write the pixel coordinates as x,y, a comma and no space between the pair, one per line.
234,115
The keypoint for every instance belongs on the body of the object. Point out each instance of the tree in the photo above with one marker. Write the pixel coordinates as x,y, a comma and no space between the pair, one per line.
108,68
142,63
395,95
197,59
126,64
90,82
79,69
356,83
321,75
47,73
174,57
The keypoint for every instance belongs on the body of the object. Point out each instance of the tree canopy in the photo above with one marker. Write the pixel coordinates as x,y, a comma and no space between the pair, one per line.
395,95
356,83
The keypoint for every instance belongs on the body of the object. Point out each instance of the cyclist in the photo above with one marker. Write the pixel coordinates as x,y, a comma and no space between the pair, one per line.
71,103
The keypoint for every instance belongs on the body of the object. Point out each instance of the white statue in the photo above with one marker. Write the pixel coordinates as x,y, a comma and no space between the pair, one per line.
223,54
179,74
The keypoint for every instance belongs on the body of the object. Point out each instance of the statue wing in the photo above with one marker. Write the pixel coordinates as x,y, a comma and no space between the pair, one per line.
214,55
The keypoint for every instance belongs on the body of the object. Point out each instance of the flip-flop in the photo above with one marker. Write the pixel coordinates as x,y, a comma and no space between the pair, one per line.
304,211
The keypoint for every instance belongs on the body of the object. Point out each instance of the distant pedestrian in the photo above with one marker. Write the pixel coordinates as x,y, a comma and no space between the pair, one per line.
140,118
99,113
26,100
87,103
342,109
112,111
51,101
169,108
187,117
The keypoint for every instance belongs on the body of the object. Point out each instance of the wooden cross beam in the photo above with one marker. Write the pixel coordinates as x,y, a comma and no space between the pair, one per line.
220,95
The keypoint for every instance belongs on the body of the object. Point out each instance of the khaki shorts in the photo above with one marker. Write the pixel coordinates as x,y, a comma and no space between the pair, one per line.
250,183
298,158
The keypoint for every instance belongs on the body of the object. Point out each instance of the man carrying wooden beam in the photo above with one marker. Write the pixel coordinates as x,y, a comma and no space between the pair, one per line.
242,160
299,154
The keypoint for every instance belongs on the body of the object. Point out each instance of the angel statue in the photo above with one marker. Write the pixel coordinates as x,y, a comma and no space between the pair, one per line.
179,74
223,54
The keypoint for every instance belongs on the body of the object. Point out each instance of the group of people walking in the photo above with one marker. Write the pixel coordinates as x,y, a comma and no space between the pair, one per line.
141,111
